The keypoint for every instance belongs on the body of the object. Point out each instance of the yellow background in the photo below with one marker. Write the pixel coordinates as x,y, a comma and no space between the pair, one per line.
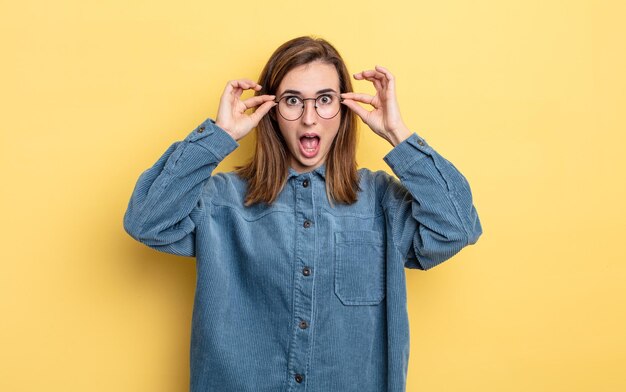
525,97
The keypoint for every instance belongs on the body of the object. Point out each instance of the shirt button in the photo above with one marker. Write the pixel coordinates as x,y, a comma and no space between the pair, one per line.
303,325
201,129
306,271
307,224
299,378
305,183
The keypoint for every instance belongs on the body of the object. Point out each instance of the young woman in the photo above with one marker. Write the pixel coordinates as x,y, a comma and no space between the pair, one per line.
300,256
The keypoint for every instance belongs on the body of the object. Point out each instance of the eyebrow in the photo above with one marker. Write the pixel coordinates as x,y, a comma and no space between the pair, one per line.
326,90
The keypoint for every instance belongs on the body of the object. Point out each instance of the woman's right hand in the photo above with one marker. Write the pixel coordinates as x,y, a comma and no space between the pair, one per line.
231,115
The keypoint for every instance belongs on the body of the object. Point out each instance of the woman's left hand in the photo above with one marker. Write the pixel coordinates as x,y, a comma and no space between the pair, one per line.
384,119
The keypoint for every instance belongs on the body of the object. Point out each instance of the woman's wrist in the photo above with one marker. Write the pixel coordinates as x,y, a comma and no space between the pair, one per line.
225,130
399,135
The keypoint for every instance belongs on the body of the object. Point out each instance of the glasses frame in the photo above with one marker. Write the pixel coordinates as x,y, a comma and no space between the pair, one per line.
304,104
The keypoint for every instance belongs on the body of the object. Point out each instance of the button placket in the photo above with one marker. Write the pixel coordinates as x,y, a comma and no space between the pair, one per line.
304,264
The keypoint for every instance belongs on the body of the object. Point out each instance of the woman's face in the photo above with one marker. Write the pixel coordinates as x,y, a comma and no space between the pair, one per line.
309,137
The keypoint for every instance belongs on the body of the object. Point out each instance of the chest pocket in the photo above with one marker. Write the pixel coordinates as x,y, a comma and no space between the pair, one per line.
359,267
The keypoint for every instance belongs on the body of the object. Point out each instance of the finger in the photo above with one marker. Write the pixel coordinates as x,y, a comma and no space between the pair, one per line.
384,71
244,83
256,101
262,111
377,83
370,73
364,98
356,108
233,89
390,78
236,87
377,75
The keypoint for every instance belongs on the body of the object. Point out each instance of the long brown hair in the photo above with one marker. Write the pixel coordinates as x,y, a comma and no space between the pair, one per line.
268,169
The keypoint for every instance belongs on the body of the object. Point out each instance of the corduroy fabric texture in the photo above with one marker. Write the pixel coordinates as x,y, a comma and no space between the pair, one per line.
301,295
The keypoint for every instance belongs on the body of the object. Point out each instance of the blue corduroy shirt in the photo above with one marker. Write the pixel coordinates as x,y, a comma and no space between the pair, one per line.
301,295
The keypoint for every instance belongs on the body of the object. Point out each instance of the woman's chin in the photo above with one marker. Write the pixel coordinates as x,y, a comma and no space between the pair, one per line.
302,164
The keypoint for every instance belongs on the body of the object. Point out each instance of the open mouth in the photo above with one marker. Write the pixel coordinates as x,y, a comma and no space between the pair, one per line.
309,145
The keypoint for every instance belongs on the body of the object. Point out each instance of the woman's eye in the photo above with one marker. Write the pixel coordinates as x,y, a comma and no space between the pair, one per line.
325,99
293,101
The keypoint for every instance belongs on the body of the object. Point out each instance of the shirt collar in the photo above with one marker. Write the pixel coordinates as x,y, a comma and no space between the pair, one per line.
320,171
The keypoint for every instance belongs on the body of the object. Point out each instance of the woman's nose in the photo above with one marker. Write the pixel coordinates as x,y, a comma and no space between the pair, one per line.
310,113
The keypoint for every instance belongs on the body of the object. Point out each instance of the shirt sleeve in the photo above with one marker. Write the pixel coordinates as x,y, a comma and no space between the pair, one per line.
430,208
166,206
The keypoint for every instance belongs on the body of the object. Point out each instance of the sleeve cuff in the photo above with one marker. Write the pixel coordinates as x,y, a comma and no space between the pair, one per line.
406,153
220,143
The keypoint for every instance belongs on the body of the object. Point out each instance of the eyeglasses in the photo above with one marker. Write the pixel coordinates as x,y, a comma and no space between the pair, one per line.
291,107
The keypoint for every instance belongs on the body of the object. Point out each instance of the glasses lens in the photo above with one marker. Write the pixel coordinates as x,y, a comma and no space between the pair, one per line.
327,105
291,107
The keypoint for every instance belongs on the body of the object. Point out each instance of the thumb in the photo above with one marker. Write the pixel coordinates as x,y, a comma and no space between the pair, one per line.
356,108
261,111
